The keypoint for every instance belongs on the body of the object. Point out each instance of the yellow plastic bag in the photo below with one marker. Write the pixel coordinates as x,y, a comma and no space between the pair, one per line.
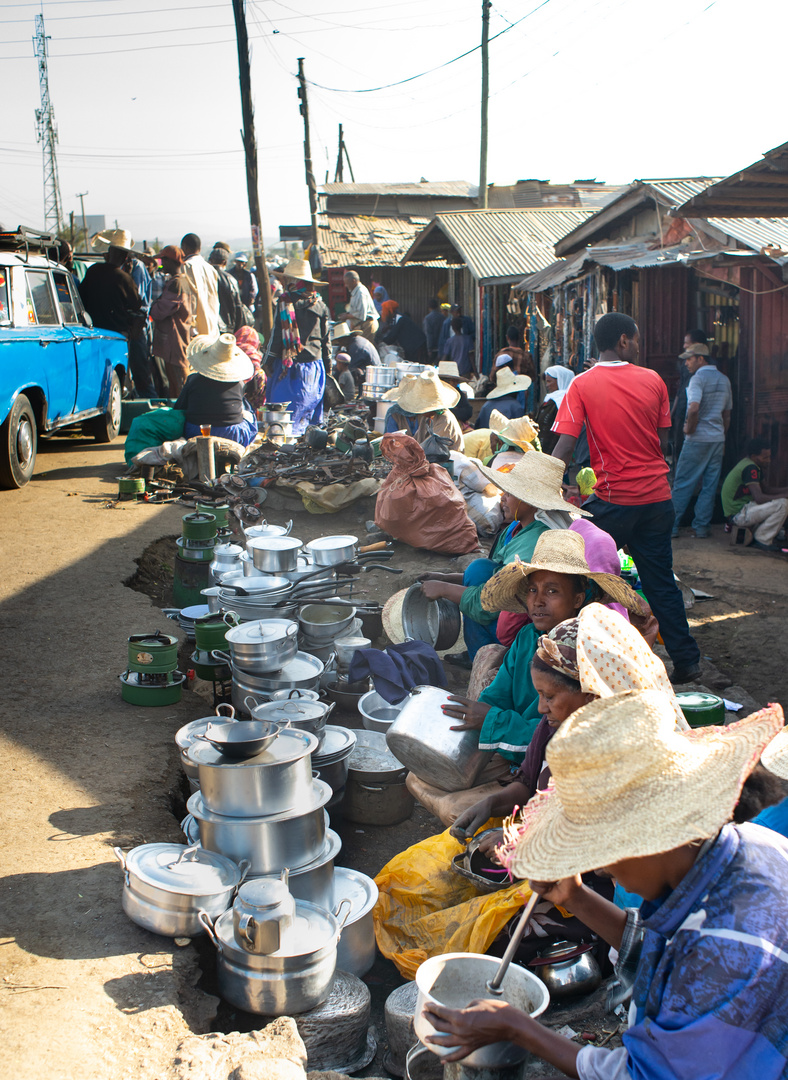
426,908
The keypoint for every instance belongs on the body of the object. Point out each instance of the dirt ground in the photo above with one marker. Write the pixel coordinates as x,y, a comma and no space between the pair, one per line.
83,991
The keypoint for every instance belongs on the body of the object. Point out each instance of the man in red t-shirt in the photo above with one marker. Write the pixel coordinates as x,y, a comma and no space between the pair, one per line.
627,416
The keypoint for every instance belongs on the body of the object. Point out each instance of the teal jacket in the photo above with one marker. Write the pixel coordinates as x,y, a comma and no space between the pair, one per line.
522,543
511,722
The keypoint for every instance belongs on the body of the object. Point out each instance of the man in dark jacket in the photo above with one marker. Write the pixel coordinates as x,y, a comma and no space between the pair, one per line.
401,330
433,322
109,293
232,312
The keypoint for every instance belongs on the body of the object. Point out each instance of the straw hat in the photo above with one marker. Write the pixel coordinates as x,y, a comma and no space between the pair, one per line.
422,393
341,330
219,358
775,756
627,784
300,270
518,432
447,369
506,382
562,551
119,238
535,480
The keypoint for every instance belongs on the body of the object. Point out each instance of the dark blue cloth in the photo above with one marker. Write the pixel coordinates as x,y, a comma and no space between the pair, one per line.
398,668
303,386
477,634
774,817
646,531
511,405
362,353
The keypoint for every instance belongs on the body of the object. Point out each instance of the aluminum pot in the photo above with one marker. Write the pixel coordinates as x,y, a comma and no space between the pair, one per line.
376,792
356,952
302,673
293,980
331,764
248,567
261,646
377,713
185,736
457,979
422,739
295,695
308,716
166,886
315,881
293,839
323,623
274,781
438,622
331,550
264,529
347,646
274,554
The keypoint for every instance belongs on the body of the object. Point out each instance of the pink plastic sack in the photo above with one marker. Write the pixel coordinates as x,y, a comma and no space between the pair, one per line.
419,504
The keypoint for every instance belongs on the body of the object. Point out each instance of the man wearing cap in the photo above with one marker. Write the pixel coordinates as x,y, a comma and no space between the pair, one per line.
346,381
247,282
362,352
678,409
232,314
205,283
173,320
627,417
508,397
361,311
709,403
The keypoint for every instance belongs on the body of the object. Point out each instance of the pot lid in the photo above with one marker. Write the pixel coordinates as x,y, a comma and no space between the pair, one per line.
561,950
302,666
265,530
338,743
262,631
283,712
289,745
361,891
330,543
228,551
189,870
320,796
196,611
274,543
295,695
696,699
256,583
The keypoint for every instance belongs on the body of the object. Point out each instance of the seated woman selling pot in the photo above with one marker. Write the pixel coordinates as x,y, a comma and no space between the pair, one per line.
552,587
708,945
213,395
422,407
426,907
531,492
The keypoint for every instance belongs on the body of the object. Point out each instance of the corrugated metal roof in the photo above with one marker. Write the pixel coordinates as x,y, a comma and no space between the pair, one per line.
756,233
368,241
500,245
679,190
460,189
759,190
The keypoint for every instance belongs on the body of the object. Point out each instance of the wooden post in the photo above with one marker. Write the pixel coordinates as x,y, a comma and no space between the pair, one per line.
340,157
486,5
310,176
250,150
206,462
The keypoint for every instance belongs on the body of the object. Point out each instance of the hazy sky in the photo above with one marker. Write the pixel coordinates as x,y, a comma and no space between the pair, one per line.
148,109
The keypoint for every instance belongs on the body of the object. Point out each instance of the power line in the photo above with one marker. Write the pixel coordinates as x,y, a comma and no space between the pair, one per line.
421,74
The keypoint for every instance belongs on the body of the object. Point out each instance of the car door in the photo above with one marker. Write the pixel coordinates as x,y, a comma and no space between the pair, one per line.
98,351
56,345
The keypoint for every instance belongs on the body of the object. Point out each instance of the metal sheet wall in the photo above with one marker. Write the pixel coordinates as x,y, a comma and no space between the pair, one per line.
662,319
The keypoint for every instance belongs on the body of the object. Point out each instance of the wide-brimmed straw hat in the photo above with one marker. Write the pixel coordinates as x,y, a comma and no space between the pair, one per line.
447,369
775,756
535,480
219,358
506,382
119,238
626,784
342,330
563,552
423,392
300,270
519,432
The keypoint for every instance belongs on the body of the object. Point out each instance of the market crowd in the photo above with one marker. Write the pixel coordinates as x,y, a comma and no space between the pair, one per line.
659,847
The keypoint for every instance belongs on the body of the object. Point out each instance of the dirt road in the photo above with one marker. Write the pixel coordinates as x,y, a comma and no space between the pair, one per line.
84,992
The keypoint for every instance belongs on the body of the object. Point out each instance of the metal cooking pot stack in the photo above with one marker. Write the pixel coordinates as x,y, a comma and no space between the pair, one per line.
151,677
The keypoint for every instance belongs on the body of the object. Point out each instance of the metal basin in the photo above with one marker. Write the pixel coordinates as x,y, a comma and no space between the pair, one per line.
377,713
457,979
323,623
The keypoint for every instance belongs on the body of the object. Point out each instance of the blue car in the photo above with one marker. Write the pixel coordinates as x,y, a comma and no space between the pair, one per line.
56,370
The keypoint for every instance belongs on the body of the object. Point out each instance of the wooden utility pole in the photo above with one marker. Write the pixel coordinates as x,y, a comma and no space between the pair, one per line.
338,177
250,149
486,5
310,176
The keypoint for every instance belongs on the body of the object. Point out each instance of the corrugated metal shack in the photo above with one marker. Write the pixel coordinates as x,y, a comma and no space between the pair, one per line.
671,273
496,247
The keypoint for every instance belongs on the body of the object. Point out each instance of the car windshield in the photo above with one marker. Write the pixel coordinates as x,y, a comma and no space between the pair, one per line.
65,298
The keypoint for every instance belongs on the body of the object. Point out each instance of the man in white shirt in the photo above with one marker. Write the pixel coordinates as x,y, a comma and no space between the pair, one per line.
205,283
361,311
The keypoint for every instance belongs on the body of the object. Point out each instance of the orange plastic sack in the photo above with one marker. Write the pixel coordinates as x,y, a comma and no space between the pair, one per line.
425,908
419,504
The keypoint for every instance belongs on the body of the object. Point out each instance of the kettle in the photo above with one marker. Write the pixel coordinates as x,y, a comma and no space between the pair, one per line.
263,910
567,968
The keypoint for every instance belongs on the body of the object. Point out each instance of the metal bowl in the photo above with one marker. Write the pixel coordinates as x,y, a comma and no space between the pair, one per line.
378,714
437,622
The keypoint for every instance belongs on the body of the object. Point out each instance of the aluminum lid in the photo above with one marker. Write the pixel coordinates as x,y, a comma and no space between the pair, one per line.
361,891
274,543
320,796
196,611
289,745
338,743
261,631
283,712
228,551
189,870
330,543
186,735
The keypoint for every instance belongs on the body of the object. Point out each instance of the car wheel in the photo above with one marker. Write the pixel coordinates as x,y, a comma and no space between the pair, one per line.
18,444
105,428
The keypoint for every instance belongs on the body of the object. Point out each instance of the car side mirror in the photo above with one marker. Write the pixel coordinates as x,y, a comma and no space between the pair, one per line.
85,319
